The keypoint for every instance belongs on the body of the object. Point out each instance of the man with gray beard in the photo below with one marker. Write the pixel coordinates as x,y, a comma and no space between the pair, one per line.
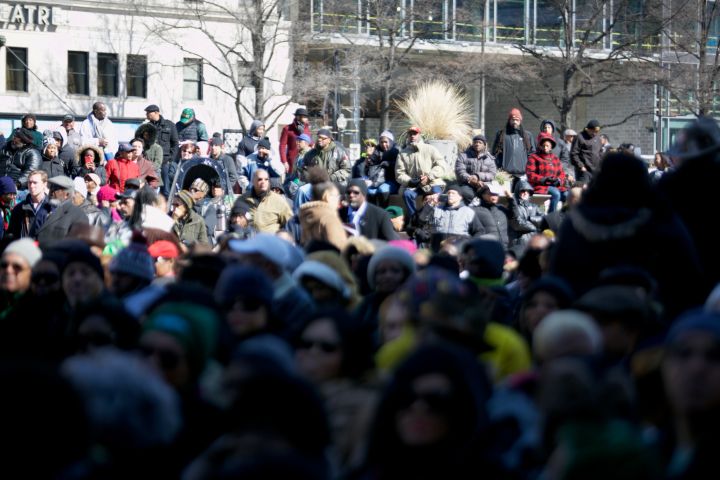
64,214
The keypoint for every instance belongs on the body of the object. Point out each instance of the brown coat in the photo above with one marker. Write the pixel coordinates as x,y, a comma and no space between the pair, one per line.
320,221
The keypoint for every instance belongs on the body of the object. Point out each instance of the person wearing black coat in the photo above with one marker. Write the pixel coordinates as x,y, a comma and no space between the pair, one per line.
621,221
526,218
371,221
167,135
585,152
493,217
19,157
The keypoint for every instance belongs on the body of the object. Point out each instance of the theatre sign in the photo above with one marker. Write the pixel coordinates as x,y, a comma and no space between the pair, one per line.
28,16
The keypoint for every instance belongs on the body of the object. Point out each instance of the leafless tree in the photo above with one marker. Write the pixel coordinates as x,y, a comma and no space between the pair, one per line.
585,46
244,61
690,58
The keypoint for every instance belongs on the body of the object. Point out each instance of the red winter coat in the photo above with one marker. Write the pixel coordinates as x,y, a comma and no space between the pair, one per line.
120,169
288,143
543,170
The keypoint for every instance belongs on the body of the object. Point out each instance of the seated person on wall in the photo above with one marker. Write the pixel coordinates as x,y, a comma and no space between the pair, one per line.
475,166
526,218
420,168
545,172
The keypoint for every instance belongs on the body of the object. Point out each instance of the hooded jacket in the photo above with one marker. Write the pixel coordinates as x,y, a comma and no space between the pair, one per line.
526,217
561,150
249,142
191,229
320,221
99,161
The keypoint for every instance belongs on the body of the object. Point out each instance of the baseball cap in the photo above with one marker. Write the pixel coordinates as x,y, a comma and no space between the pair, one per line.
68,118
125,147
94,177
187,115
415,129
305,137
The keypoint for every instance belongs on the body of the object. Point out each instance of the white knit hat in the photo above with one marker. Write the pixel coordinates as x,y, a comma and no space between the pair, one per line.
27,249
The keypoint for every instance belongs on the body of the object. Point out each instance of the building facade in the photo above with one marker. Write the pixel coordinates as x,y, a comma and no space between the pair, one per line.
60,57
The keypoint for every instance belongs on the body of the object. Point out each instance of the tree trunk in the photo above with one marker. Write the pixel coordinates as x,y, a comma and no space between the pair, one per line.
385,106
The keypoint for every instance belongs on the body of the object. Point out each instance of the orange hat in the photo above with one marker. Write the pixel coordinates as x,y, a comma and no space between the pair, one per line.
515,113
163,248
415,129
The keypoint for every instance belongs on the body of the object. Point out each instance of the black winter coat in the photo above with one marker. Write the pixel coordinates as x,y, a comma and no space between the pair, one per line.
375,223
585,152
167,138
17,164
494,219
54,167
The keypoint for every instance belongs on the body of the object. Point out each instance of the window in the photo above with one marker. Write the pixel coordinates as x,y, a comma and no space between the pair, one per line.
136,77
78,73
16,77
244,74
107,65
192,79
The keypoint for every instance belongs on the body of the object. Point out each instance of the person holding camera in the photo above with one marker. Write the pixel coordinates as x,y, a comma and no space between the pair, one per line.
447,215
545,172
419,168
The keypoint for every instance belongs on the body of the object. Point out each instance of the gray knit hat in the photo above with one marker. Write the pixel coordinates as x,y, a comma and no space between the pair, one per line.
27,249
389,252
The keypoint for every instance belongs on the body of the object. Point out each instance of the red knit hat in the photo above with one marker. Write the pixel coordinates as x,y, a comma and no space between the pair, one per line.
515,113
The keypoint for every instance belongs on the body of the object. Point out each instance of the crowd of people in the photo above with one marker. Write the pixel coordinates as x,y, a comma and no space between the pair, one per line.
544,307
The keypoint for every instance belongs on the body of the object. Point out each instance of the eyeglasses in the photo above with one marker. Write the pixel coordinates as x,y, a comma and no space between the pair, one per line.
322,345
17,267
353,192
169,360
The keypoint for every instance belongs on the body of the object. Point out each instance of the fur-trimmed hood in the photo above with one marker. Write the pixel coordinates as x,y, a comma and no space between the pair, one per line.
147,127
605,224
99,155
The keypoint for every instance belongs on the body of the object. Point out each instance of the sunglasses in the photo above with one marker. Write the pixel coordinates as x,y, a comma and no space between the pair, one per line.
247,304
353,192
322,345
45,278
169,360
17,267
439,402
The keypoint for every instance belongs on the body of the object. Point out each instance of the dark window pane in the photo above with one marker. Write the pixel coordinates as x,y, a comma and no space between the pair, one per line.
136,77
192,79
16,78
78,73
107,74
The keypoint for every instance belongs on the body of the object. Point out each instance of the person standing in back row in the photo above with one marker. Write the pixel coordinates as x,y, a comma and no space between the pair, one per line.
586,151
98,130
167,135
513,145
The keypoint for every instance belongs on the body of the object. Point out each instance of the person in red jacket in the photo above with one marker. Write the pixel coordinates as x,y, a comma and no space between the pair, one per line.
121,168
545,173
288,138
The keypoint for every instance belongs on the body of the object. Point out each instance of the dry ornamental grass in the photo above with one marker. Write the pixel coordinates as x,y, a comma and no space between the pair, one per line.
441,110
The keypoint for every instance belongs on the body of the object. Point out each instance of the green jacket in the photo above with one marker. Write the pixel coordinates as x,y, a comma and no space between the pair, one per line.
333,159
191,229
